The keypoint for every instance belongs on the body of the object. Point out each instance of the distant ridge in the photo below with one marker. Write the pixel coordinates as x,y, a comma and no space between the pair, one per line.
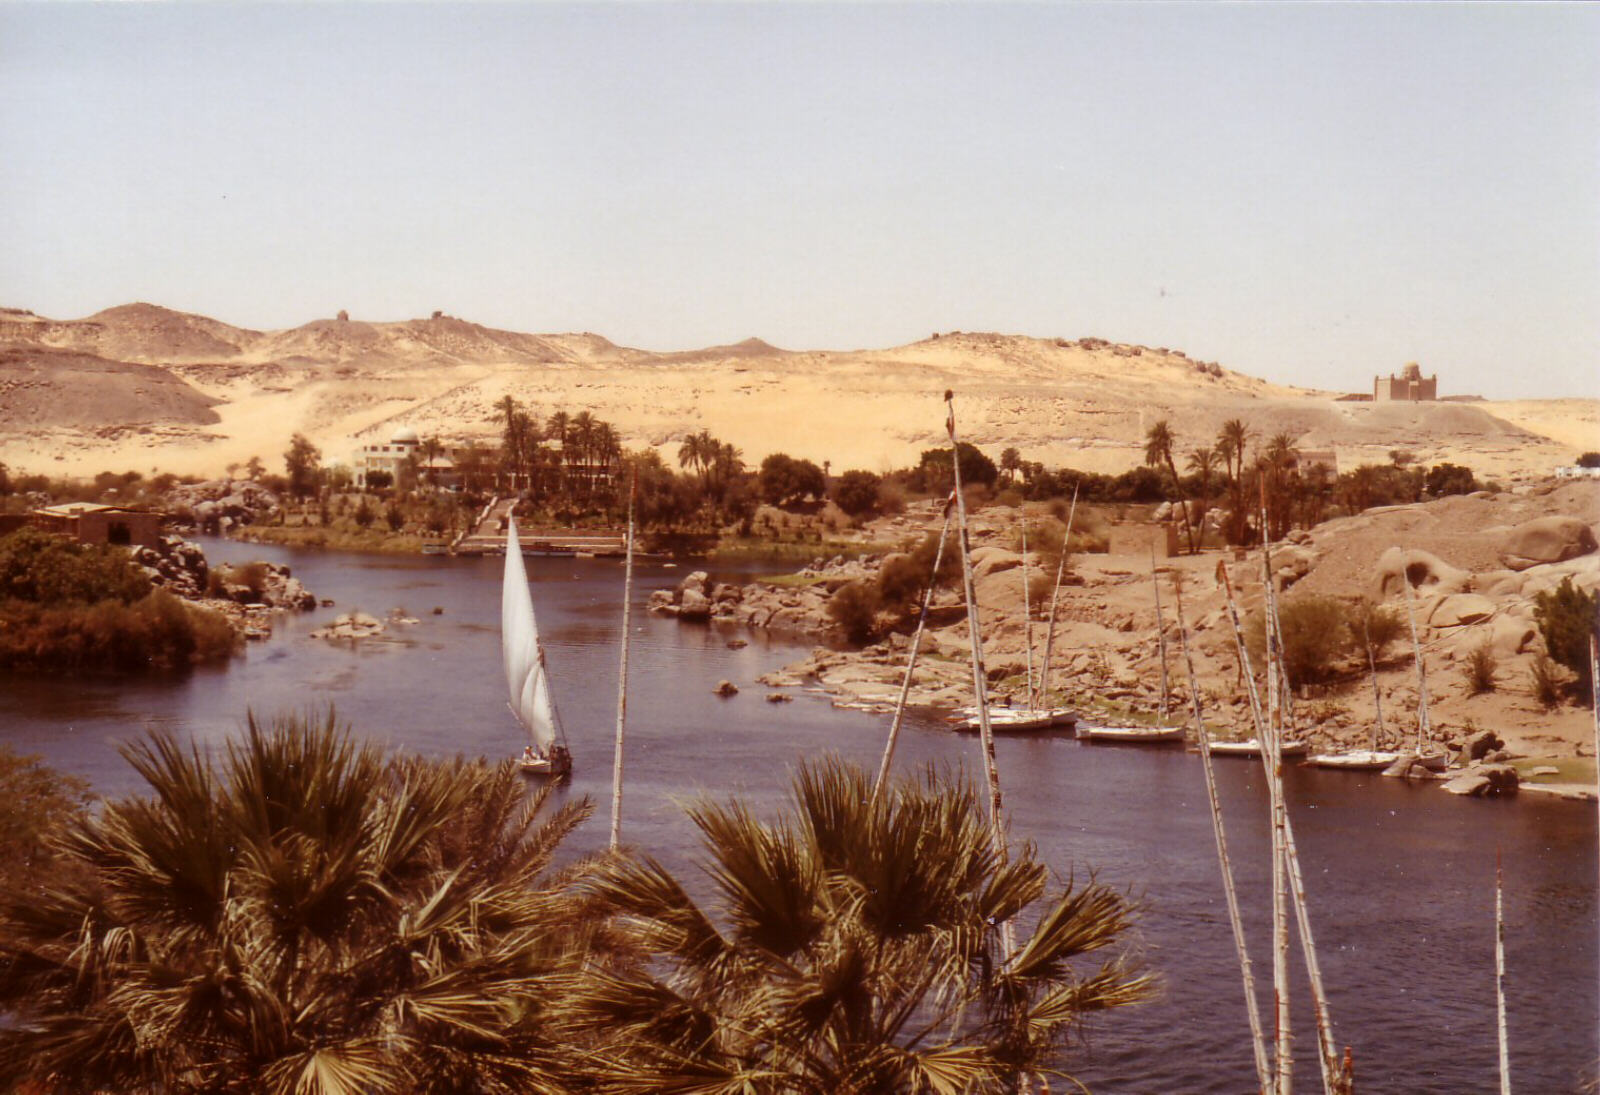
215,393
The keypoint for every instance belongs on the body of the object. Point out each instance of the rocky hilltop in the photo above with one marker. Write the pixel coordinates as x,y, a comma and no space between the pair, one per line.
96,393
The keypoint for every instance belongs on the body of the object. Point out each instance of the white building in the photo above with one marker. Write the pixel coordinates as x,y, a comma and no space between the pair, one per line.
401,450
1577,471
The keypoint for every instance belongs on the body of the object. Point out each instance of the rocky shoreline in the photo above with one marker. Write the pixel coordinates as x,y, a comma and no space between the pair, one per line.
247,596
1474,589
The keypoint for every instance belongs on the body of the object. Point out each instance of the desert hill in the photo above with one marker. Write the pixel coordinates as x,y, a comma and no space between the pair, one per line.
99,398
342,382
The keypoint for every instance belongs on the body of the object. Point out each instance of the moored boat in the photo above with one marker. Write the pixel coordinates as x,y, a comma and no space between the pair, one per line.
1133,735
1251,747
1010,720
1355,760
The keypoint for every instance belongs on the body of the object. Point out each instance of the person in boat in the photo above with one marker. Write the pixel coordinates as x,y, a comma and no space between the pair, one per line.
527,755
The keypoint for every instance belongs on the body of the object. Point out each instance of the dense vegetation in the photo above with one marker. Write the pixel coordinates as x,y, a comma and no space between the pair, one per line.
66,606
308,914
1568,623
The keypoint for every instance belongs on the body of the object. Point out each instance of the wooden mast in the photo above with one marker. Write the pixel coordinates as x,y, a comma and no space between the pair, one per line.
622,676
911,663
1500,977
1272,756
1055,596
1027,608
1424,728
980,680
1258,1043
1161,638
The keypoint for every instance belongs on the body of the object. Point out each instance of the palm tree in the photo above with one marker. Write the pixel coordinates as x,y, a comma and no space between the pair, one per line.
431,449
1158,453
1231,442
855,949
1203,462
307,916
1279,459
1010,462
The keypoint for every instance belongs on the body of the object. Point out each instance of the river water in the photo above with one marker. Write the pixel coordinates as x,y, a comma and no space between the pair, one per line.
1400,878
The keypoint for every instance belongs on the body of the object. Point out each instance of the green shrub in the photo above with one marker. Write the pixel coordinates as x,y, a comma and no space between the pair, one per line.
1316,637
901,580
157,633
47,569
857,492
1566,618
1479,669
1545,682
1372,623
36,802
854,607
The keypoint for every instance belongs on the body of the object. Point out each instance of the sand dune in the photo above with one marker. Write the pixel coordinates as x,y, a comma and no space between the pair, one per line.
343,383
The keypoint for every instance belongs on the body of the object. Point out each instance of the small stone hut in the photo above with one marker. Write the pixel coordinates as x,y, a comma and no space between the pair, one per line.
92,523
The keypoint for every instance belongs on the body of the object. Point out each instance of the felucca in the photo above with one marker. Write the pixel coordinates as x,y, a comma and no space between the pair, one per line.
546,753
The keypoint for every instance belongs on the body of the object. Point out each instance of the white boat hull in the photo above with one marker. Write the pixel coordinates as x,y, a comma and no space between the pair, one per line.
558,763
1006,720
1133,735
1251,747
1356,760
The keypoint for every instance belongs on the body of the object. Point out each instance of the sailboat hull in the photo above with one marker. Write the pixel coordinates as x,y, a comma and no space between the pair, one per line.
1006,721
1133,735
558,764
1252,748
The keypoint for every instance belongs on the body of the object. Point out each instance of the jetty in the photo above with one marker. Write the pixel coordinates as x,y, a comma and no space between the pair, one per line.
486,536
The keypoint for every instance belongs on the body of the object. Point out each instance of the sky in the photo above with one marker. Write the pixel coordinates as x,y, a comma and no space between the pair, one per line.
1310,193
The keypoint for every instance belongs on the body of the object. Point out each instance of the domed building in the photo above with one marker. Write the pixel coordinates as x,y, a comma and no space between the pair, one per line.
403,448
1410,386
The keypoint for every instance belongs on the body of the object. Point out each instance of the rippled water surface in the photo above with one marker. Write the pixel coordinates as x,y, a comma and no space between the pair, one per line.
1400,878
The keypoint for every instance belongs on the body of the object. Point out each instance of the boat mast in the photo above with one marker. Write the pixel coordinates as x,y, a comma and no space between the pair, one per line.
1500,977
1424,729
911,663
980,679
622,674
1027,608
1258,1043
1272,756
1055,597
1377,698
1161,635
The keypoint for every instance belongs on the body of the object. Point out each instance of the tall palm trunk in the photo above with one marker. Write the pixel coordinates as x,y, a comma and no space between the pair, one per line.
1183,505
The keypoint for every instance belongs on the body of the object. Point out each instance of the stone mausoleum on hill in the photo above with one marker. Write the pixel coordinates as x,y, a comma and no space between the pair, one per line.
1410,386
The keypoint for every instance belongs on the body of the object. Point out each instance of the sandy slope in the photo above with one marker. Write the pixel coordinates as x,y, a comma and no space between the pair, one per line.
1085,403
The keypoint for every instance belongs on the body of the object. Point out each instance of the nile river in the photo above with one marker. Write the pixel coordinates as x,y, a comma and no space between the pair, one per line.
1400,878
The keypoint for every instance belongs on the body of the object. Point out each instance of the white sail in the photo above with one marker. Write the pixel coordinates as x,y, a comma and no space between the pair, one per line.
519,643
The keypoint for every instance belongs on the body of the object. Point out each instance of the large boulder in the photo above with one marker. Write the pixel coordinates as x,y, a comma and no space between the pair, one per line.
1460,609
1426,572
694,605
1485,781
1510,635
992,560
1545,540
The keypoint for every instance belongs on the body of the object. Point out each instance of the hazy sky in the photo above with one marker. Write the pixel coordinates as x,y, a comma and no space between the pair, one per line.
1306,193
